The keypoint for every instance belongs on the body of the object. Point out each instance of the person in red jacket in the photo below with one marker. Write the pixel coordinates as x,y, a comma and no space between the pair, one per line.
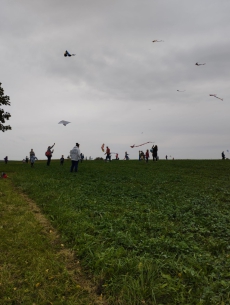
107,153
147,156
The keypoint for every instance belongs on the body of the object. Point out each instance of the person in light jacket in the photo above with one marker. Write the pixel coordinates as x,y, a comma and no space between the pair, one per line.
75,156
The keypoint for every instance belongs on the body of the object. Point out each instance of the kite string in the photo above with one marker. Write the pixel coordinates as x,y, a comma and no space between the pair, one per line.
140,144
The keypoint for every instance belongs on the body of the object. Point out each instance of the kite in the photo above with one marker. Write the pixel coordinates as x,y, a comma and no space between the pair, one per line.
158,40
227,150
64,122
216,97
102,147
68,54
140,144
181,90
197,64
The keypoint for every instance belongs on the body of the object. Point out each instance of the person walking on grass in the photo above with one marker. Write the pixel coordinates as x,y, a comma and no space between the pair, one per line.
75,156
6,159
49,153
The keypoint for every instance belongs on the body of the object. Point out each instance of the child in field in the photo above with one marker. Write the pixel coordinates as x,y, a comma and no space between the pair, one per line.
62,160
82,157
32,160
4,175
126,156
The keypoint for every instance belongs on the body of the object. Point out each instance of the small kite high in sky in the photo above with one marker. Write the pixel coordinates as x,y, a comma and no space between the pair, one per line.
197,64
64,122
68,54
158,40
102,147
216,97
140,144
181,90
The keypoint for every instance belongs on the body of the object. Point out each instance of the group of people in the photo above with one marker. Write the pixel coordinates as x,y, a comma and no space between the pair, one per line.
145,156
75,156
142,155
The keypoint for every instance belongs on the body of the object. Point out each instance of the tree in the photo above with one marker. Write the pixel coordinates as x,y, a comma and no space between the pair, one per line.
4,100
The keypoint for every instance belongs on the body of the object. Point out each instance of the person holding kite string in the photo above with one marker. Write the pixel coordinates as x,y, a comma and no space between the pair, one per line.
49,154
107,153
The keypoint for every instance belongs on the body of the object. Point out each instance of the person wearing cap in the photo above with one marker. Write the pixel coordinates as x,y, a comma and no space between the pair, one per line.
75,156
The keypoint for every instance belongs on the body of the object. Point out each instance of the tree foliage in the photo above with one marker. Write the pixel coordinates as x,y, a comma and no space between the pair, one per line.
4,100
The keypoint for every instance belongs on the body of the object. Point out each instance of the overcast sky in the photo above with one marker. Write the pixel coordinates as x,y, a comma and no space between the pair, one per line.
121,88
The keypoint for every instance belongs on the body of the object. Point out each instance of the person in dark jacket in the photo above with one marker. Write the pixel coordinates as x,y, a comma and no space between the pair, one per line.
155,150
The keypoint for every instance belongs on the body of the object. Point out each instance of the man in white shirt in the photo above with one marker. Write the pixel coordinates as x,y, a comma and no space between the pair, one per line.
75,156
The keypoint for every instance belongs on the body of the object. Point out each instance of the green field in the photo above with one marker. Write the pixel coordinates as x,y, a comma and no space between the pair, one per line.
155,233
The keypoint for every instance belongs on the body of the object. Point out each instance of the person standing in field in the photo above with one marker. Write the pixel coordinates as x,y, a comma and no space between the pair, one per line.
223,155
32,154
75,156
126,156
147,156
6,159
155,150
107,153
62,160
32,160
82,157
49,154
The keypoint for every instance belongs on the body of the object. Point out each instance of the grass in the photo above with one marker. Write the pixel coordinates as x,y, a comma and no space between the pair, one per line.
154,233
33,262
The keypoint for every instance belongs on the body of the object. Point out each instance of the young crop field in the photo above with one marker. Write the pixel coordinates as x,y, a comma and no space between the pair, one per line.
145,233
